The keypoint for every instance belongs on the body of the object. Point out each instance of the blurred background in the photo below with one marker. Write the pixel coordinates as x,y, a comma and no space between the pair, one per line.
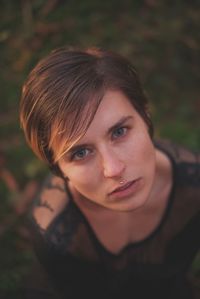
162,40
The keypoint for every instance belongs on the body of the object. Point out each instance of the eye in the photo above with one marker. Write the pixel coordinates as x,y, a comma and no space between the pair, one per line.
80,154
119,132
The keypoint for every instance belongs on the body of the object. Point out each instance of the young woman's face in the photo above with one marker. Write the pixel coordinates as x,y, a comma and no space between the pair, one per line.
113,164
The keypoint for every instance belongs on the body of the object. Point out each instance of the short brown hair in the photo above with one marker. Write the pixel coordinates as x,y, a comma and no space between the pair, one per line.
63,91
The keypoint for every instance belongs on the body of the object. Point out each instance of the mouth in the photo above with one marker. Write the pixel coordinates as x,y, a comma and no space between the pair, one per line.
126,190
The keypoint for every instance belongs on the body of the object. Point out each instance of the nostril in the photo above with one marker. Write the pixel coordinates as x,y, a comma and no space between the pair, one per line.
114,168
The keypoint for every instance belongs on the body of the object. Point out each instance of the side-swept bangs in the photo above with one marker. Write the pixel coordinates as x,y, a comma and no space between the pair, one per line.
62,93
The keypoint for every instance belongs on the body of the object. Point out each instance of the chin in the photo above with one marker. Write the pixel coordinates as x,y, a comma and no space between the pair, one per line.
129,206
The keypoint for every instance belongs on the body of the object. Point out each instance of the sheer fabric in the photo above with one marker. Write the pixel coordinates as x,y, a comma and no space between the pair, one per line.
78,264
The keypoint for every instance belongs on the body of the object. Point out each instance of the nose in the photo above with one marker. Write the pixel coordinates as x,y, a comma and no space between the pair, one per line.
113,166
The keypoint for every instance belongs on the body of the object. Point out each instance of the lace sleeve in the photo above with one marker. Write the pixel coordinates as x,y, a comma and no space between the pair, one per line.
55,221
50,202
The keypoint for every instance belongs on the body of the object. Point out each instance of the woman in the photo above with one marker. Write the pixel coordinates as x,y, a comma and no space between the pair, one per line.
120,219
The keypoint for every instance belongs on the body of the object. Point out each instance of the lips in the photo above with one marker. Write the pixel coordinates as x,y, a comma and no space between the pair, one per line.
121,188
126,190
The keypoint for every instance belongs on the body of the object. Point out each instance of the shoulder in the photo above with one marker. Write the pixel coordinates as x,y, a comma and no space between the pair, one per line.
52,198
186,162
54,218
183,211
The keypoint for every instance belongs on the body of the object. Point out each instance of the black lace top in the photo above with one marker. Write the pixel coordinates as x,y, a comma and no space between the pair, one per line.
77,263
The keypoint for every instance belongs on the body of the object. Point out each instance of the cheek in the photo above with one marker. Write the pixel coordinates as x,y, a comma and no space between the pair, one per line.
148,157
83,178
140,150
87,185
77,174
147,150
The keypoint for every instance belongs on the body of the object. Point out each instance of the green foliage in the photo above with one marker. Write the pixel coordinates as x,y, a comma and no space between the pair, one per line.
162,40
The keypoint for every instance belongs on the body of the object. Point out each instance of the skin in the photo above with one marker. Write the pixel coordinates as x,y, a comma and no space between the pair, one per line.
106,154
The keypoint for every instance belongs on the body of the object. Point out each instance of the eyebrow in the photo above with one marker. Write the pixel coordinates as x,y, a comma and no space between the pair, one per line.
112,128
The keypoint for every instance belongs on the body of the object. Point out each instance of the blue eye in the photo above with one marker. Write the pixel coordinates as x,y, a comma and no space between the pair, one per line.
80,154
119,132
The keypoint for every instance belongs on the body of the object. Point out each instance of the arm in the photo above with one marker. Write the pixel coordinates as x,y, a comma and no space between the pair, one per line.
51,200
72,276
